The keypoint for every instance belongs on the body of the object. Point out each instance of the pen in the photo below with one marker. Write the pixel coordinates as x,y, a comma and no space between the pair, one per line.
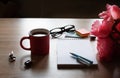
82,59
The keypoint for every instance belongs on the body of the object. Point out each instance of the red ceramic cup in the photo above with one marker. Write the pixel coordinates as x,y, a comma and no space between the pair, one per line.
39,41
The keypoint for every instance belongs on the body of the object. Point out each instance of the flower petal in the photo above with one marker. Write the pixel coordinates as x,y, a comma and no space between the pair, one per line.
115,12
95,27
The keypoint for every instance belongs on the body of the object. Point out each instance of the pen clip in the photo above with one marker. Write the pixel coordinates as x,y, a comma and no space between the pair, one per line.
83,61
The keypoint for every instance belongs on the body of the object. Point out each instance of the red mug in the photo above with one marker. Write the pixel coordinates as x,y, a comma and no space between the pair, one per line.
39,41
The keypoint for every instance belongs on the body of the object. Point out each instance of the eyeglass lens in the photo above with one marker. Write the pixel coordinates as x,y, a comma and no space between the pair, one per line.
56,32
69,28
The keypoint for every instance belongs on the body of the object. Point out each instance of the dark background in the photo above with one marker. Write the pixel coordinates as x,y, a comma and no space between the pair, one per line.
53,8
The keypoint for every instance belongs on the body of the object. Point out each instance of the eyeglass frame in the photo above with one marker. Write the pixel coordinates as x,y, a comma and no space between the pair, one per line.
62,30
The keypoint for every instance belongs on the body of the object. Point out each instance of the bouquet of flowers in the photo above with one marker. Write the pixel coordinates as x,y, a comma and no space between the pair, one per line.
108,33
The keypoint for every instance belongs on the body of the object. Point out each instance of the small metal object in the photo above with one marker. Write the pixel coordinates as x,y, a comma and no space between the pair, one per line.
92,38
28,64
12,58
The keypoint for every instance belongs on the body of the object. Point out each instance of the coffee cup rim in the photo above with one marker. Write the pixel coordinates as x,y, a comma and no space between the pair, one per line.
39,30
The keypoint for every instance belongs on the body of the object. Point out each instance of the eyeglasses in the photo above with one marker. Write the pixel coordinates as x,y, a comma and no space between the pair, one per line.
57,32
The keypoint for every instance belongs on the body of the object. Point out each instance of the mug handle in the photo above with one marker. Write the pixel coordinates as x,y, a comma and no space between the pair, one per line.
23,38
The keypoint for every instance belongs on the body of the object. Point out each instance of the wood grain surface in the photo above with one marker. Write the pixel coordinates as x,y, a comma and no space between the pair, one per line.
13,29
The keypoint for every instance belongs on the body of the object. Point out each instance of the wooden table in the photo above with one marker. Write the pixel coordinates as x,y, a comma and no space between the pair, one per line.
11,31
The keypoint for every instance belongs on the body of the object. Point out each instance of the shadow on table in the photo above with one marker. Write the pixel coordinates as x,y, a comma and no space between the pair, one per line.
109,69
38,62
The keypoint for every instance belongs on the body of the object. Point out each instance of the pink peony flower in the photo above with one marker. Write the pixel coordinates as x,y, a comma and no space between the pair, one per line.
101,29
108,32
104,28
105,48
112,11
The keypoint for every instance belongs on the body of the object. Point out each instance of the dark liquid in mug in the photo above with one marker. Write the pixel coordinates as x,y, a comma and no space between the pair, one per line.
39,35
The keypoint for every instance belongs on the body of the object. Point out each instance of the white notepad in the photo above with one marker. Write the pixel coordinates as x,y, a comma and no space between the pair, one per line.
81,47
